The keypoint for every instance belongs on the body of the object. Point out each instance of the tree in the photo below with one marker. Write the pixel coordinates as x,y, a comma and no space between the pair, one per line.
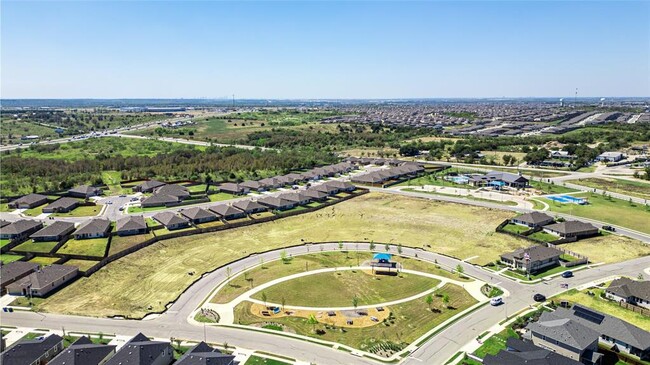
429,300
387,247
284,302
399,249
355,302
283,256
445,300
340,246
313,322
264,298
228,272
459,269
262,262
372,245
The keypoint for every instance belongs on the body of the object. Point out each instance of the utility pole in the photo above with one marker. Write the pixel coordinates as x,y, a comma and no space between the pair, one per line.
233,99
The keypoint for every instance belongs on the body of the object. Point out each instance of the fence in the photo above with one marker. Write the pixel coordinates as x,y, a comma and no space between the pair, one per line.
634,308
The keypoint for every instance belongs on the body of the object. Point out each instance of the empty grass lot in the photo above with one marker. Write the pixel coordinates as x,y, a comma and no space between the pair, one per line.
412,320
604,305
162,268
29,246
95,247
336,289
614,211
44,261
278,269
122,243
7,258
638,189
112,180
548,188
609,248
81,211
83,265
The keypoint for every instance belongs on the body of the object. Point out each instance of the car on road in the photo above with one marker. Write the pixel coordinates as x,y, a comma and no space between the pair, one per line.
496,301
609,228
567,274
539,297
122,196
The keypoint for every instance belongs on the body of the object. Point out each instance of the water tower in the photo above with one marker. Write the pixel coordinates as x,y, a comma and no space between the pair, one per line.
561,103
602,102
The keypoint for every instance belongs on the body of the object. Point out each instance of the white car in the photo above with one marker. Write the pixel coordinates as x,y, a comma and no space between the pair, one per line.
496,301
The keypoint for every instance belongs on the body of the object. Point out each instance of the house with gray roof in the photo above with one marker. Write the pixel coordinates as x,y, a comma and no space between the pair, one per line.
159,200
249,206
533,219
254,185
227,212
315,195
133,224
532,259
341,185
499,178
568,229
297,197
61,205
93,228
43,281
84,191
148,186
276,203
84,352
20,229
235,189
28,201
198,215
178,191
204,354
4,223
171,220
626,290
325,188
610,156
142,351
54,232
33,352
16,270
615,333
566,337
271,183
520,352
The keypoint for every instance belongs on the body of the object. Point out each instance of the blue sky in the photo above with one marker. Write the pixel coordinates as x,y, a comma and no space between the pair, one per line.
323,49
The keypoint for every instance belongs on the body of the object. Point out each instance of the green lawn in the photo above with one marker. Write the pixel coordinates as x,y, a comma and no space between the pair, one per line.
164,231
256,360
544,236
90,247
4,207
134,210
4,241
515,228
121,243
30,246
7,258
549,188
221,196
81,211
112,179
495,343
637,189
197,188
83,265
410,321
338,289
610,210
604,305
33,212
554,270
44,261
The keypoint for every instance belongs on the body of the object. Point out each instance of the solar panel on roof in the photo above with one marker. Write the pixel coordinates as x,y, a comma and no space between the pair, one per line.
588,315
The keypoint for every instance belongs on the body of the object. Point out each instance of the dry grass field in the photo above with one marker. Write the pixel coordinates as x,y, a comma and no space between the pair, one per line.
609,248
162,270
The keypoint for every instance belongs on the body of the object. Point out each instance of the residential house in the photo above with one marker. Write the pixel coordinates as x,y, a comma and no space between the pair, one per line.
299,198
326,188
16,270
84,191
315,195
84,352
249,206
171,220
199,215
20,229
42,282
310,176
372,178
276,203
284,180
532,259
227,212
341,185
54,232
520,352
93,228
571,229
253,185
28,201
295,178
615,333
203,354
159,200
142,351
61,205
148,186
630,291
271,183
33,352
133,224
566,337
4,223
235,189
564,155
178,191
533,219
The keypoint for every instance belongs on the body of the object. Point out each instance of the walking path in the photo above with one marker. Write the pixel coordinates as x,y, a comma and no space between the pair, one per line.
226,311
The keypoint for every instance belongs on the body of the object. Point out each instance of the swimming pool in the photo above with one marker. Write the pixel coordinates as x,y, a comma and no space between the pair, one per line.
568,199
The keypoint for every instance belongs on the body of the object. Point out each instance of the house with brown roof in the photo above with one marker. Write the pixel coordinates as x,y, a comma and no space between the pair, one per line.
171,220
572,229
235,189
532,259
54,232
341,185
198,215
93,228
61,205
43,281
253,185
28,201
131,225
297,197
630,291
16,270
227,212
20,229
84,191
249,206
148,186
533,219
315,195
271,183
275,203
325,188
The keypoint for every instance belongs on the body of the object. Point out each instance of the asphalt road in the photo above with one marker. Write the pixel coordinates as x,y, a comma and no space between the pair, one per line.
173,323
